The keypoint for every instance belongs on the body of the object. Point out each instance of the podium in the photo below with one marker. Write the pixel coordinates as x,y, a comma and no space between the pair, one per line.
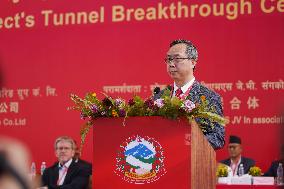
151,152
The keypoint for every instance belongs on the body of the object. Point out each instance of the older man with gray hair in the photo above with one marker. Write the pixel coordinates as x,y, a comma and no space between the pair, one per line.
67,173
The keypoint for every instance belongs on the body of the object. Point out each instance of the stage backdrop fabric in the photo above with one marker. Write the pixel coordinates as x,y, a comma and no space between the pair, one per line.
50,49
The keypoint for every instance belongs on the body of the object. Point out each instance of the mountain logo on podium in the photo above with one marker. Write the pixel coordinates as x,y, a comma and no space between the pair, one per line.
140,160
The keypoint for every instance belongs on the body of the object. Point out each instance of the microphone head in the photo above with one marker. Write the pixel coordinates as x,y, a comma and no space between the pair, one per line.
157,90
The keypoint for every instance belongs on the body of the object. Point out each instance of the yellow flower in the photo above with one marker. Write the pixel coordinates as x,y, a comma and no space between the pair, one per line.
203,98
94,94
114,113
255,171
222,170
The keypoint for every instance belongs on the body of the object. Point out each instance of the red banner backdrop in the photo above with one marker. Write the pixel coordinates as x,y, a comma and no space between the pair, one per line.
49,49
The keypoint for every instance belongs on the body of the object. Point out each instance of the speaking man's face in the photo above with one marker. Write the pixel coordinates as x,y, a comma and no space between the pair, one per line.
179,68
64,151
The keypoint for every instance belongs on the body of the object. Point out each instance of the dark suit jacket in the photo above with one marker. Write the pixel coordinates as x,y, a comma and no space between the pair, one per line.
272,171
216,134
247,163
77,176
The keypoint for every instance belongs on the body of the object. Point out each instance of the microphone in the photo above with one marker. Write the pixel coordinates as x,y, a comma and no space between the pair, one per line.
156,93
157,90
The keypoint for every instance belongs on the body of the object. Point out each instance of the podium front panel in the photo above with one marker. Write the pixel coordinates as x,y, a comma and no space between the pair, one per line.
148,152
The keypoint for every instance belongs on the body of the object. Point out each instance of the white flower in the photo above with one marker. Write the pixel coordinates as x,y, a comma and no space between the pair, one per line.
119,102
188,105
159,102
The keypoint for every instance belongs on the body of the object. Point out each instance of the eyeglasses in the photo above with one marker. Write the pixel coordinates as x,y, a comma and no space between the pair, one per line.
63,148
232,147
174,60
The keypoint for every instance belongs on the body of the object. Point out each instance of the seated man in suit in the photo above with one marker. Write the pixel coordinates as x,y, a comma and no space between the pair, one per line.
67,173
272,171
236,159
181,60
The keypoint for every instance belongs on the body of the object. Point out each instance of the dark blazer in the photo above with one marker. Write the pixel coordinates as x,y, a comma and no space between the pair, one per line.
247,163
216,134
272,171
77,176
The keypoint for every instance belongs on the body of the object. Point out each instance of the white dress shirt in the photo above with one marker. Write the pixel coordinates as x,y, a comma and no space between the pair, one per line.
185,87
234,166
63,172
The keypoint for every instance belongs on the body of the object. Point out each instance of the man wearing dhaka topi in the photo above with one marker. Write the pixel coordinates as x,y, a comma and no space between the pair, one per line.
181,60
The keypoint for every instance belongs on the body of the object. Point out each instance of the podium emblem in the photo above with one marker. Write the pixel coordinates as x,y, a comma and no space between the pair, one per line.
140,160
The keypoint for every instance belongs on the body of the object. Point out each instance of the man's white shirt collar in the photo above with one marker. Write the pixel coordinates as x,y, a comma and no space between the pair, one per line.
185,87
240,160
67,164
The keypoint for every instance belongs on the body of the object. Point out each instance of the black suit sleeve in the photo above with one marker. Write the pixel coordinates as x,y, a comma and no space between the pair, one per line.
272,171
80,182
248,164
226,162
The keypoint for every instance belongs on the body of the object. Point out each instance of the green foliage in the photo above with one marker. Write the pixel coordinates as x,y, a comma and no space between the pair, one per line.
167,106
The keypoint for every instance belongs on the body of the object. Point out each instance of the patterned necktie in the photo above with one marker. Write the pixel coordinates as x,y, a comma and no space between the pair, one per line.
178,93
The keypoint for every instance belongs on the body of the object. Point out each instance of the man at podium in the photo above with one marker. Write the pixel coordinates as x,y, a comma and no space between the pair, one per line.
181,60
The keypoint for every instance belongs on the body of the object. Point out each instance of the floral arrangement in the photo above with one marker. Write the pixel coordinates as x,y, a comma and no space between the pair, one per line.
255,171
166,106
222,170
